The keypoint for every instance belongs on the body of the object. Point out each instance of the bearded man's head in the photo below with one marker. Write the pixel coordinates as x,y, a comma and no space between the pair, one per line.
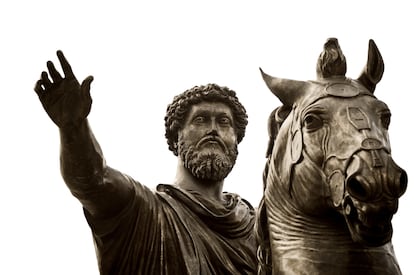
214,164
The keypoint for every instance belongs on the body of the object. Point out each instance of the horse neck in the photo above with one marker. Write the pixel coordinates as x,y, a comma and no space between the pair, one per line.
291,225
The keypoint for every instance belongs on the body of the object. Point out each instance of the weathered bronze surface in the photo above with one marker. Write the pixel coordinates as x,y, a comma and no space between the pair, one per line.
190,227
331,185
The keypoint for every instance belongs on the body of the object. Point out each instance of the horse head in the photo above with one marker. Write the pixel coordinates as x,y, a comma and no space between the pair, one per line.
330,146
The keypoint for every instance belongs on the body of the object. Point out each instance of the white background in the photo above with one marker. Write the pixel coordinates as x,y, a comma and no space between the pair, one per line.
141,55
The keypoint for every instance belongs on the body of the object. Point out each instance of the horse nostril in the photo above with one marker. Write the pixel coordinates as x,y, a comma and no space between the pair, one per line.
357,189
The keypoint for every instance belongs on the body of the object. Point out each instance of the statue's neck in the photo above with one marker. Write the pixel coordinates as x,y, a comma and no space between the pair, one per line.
317,226
305,244
304,229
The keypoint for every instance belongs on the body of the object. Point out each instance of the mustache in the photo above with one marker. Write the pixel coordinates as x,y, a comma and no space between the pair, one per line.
215,139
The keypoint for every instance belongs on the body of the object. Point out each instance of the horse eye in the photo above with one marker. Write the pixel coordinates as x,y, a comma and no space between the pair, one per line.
385,120
313,122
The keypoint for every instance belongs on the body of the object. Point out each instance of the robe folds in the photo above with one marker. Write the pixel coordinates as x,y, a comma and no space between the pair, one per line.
173,231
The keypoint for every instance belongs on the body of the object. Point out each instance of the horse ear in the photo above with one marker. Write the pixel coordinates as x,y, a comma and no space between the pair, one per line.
288,91
374,68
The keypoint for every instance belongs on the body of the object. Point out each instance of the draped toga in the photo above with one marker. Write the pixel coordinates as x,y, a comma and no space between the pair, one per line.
170,230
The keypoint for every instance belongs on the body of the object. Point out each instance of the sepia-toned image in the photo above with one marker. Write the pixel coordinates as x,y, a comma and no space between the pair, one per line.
206,137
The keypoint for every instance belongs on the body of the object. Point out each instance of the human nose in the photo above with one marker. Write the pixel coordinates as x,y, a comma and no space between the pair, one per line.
213,128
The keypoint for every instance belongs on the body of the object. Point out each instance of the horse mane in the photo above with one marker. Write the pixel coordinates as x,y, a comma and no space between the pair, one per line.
264,253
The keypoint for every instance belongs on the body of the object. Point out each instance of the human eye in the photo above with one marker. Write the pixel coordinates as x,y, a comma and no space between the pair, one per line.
199,119
224,120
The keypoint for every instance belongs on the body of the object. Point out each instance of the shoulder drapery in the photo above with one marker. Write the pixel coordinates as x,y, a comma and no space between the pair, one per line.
173,231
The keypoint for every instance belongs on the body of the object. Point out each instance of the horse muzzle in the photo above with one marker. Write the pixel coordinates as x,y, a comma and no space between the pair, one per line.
373,185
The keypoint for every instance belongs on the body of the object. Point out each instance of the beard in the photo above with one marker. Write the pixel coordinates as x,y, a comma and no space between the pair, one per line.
210,164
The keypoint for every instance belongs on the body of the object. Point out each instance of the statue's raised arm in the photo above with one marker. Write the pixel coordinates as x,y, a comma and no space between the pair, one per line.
68,103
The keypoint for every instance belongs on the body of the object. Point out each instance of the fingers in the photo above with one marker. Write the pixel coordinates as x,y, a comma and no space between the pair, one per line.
67,70
45,83
86,84
45,80
54,74
42,84
38,88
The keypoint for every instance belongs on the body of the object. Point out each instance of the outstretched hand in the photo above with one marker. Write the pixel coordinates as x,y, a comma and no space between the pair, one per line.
67,102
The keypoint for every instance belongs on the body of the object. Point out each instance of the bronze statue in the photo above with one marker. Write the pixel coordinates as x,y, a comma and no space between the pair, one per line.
330,184
191,227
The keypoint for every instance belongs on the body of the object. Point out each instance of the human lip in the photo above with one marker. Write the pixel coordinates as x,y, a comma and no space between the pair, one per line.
211,140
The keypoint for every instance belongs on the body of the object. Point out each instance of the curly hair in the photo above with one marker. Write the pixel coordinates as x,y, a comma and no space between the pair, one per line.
178,109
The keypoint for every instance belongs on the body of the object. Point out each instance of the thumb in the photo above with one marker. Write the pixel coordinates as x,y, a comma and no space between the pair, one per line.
86,84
